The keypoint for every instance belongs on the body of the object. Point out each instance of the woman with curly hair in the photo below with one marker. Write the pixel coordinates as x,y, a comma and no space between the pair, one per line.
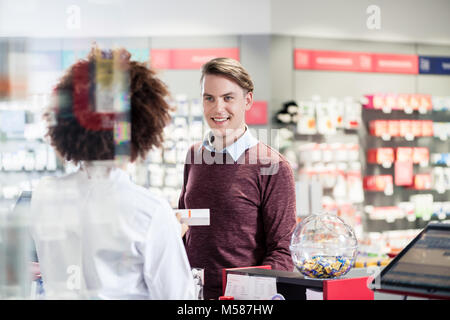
97,234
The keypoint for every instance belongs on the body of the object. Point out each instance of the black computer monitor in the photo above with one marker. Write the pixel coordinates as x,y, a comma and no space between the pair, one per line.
422,268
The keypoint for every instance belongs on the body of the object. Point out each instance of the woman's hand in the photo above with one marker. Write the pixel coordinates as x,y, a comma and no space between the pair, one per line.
184,227
35,271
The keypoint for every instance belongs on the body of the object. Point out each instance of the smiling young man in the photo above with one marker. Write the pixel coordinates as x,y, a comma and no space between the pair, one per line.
248,187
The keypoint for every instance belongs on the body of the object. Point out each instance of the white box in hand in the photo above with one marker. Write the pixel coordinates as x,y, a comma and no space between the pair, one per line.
194,217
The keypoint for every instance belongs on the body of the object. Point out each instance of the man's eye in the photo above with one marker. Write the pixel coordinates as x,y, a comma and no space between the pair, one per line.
228,98
208,99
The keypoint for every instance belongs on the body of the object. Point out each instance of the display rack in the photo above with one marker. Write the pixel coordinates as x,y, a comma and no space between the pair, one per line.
361,172
325,155
164,168
407,179
25,156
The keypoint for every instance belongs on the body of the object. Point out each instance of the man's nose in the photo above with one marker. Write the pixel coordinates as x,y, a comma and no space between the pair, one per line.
219,105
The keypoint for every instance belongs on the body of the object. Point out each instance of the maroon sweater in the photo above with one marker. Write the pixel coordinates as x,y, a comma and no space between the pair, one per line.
252,211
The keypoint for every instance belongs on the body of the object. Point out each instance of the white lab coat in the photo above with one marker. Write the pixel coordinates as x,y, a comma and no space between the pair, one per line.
100,236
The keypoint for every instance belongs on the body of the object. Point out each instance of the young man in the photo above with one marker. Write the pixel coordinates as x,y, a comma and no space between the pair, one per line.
248,187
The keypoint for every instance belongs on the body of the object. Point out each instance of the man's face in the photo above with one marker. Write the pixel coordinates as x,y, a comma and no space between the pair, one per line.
224,104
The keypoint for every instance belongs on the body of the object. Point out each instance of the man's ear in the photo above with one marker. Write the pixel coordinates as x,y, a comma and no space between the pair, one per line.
248,100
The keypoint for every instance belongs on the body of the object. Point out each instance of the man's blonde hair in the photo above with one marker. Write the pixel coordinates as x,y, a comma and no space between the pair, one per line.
230,69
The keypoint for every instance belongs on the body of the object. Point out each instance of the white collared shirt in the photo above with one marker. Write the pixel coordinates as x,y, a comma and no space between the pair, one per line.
235,150
99,235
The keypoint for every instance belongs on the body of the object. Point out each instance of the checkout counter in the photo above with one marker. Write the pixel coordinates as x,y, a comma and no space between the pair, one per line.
420,271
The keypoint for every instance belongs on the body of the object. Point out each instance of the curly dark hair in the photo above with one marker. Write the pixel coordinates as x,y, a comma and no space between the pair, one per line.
79,133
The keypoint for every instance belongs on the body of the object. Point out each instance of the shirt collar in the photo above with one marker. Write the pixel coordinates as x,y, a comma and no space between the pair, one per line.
235,150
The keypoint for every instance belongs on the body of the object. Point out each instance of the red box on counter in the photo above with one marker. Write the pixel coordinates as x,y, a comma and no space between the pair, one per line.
403,154
393,128
380,155
427,128
403,173
420,155
405,127
378,127
416,128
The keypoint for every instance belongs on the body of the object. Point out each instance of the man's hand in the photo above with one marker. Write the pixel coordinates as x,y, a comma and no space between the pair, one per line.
184,227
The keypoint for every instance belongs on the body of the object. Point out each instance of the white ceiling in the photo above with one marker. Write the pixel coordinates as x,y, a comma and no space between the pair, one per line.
426,21
419,21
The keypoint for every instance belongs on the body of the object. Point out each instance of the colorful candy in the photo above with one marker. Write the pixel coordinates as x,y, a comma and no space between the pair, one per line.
321,267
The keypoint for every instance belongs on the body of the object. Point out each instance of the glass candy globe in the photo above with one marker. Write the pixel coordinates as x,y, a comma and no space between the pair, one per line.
323,246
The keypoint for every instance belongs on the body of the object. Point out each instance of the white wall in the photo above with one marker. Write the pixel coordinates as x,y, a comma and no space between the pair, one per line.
113,18
425,21
417,21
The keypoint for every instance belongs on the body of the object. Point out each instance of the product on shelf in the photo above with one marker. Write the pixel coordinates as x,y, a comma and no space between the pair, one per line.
403,173
422,181
382,183
405,128
388,213
441,103
387,242
378,128
326,118
418,155
421,156
423,206
306,118
393,128
384,156
165,167
405,102
441,130
336,166
403,154
440,159
441,179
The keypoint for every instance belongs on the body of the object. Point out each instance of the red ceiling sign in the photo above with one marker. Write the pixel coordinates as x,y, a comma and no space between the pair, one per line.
188,59
355,61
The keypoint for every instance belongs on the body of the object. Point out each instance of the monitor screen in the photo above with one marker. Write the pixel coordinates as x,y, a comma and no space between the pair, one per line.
423,267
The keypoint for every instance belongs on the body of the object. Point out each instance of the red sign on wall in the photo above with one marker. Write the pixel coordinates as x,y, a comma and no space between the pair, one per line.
257,115
396,63
188,59
332,60
355,61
